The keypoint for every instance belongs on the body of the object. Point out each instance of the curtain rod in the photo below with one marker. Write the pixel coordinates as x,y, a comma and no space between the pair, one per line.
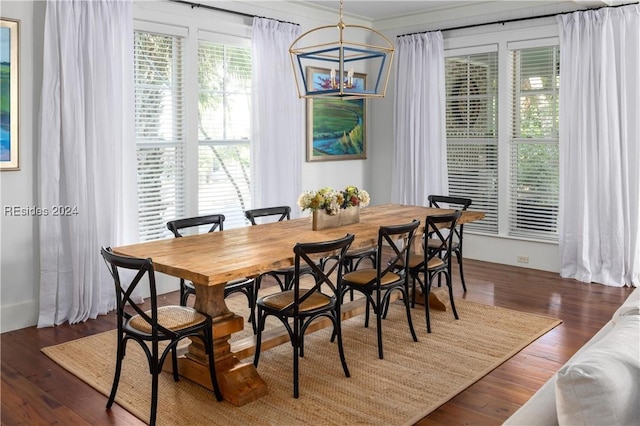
219,9
462,27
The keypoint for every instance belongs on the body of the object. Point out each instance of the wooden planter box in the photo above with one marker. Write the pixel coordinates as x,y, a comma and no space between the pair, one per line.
323,220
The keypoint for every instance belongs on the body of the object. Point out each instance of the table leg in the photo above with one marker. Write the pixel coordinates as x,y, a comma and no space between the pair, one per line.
438,299
239,382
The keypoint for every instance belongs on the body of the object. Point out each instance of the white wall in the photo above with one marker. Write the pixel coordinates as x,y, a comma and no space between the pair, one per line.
19,273
19,252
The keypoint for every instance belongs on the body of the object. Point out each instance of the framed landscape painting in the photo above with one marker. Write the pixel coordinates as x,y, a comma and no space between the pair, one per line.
335,127
9,138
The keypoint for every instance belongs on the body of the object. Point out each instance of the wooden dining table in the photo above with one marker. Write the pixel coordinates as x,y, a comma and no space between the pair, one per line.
210,260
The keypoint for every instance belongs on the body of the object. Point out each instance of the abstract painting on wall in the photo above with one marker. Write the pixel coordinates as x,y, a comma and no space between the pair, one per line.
335,127
9,137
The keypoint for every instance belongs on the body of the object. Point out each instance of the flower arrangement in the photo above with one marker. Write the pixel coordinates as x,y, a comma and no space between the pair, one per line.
332,200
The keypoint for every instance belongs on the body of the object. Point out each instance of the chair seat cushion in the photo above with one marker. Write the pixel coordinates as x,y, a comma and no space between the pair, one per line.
365,276
434,263
174,318
283,299
417,260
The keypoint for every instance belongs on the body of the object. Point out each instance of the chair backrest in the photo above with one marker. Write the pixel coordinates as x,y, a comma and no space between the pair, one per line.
307,255
128,274
283,212
215,220
399,238
440,227
459,203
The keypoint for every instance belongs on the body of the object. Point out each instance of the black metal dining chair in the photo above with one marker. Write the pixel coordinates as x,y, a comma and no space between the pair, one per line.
158,324
298,306
277,214
378,283
283,276
458,203
435,260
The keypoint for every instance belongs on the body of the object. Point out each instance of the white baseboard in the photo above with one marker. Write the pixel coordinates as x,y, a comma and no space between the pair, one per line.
543,256
21,315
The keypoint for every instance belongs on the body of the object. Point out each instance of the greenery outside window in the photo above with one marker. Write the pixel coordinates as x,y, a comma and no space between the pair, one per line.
510,169
224,130
177,146
534,153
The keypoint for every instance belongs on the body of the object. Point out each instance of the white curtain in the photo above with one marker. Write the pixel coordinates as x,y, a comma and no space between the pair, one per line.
277,145
600,146
86,155
420,149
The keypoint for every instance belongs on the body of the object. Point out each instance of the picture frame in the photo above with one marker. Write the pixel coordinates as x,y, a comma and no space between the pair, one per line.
9,91
336,128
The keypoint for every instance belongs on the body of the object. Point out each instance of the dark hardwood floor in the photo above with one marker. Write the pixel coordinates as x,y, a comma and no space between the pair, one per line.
36,391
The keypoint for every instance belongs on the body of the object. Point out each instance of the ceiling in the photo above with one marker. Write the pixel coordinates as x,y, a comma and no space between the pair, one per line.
375,10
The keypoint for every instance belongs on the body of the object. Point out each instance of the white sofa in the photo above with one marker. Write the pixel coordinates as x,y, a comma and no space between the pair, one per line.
599,385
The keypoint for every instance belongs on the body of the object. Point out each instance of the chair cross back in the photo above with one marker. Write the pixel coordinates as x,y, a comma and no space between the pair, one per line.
123,293
459,203
400,255
388,236
283,211
464,203
215,220
303,252
434,228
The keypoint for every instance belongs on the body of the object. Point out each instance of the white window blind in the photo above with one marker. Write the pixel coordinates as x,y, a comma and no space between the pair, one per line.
534,153
224,129
159,123
472,133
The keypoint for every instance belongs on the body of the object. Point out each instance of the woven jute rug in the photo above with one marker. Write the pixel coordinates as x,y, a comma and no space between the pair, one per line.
411,381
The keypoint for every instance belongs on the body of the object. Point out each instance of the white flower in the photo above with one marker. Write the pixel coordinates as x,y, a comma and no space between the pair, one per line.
332,201
304,201
364,198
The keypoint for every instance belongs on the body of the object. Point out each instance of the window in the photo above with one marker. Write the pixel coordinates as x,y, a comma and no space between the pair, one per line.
534,153
224,111
159,127
502,132
175,146
472,133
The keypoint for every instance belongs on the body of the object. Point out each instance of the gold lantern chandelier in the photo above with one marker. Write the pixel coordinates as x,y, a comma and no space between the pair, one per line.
338,69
